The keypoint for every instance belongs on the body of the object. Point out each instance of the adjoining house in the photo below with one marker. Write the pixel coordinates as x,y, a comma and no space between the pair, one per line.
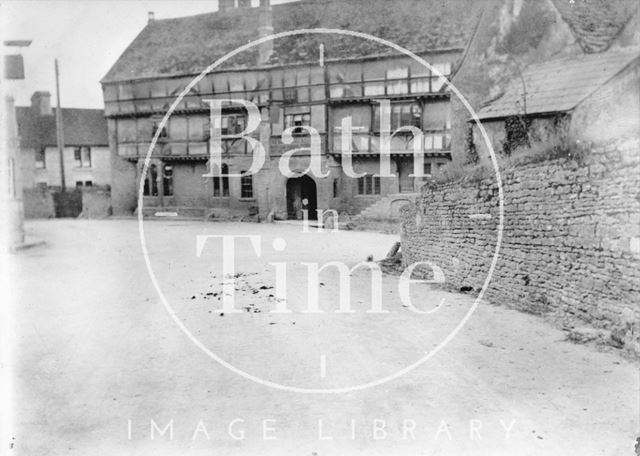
86,157
590,98
306,80
514,35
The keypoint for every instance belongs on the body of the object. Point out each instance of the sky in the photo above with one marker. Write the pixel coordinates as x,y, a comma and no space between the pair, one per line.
86,36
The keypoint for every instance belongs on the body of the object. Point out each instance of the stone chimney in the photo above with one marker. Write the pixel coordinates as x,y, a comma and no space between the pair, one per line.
226,5
41,103
265,28
151,16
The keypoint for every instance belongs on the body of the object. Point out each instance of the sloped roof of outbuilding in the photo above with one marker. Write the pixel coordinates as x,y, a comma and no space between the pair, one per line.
558,85
187,45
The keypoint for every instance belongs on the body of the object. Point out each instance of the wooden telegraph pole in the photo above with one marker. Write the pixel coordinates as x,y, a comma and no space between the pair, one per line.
59,128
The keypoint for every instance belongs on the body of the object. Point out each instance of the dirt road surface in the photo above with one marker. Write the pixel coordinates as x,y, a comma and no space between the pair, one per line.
102,368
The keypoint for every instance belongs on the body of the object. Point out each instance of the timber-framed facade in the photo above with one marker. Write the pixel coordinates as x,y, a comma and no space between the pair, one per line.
318,90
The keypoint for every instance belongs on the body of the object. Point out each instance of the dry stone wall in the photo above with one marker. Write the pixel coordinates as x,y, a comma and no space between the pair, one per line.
571,238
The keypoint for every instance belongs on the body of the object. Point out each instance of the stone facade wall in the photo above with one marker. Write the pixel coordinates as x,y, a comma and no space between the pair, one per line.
99,173
123,177
571,244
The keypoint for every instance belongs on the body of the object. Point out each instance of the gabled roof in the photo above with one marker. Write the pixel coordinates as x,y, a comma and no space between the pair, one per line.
82,127
596,23
187,45
558,85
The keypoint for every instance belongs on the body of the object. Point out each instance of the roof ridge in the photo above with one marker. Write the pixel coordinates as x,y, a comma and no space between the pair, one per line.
186,45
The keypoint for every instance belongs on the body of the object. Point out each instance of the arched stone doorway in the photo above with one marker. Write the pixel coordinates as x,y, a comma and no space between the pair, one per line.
301,190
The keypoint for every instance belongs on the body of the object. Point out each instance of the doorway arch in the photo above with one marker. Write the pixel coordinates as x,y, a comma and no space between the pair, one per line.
300,189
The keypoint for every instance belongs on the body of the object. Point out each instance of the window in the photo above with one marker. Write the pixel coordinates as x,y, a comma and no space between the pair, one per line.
206,130
437,82
221,183
290,95
151,181
374,88
82,157
178,128
427,169
246,185
167,180
154,129
127,129
78,184
360,118
335,188
444,68
198,128
88,184
77,160
437,141
402,115
40,163
296,121
397,81
232,124
369,185
125,91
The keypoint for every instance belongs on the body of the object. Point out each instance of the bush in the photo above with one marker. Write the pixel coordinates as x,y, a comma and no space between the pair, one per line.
554,147
470,172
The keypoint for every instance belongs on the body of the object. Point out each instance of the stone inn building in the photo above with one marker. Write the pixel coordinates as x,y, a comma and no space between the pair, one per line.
300,81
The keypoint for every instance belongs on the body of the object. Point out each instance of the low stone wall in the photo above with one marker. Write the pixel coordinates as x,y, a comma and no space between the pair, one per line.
38,203
50,203
96,203
571,240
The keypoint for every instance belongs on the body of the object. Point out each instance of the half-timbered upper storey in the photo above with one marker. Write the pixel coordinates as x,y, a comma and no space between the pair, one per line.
310,79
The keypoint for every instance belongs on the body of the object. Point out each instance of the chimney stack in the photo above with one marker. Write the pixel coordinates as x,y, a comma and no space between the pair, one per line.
151,16
265,28
41,103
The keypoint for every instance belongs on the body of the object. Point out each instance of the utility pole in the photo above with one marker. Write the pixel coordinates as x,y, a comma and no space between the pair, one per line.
59,128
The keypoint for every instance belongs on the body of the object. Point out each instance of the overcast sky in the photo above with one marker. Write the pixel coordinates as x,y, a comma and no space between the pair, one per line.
87,37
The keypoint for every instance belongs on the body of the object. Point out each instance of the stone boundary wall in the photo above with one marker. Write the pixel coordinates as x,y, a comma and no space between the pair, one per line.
93,203
96,203
38,203
571,243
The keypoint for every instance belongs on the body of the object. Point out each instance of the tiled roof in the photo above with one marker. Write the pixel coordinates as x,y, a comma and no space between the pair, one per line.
596,23
82,127
558,85
187,45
